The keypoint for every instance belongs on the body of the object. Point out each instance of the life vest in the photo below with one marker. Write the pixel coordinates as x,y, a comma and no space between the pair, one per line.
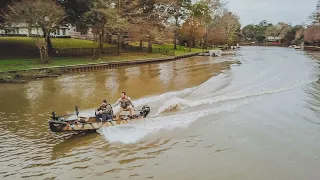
124,103
103,108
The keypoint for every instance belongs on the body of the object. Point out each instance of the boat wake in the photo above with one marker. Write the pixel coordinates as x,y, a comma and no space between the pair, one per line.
174,110
223,93
136,131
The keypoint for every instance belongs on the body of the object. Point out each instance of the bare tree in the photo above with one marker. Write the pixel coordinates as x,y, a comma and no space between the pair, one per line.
209,11
45,15
231,25
217,35
312,34
283,29
193,30
299,33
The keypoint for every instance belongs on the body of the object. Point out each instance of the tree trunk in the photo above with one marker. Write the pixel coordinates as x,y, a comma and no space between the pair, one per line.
150,46
49,45
41,54
46,53
205,45
190,42
101,42
141,44
48,41
119,44
176,33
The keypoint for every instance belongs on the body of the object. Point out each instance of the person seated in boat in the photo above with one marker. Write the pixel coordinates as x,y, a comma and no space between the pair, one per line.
104,112
125,104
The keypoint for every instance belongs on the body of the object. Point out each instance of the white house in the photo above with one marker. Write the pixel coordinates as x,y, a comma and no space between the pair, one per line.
273,38
63,31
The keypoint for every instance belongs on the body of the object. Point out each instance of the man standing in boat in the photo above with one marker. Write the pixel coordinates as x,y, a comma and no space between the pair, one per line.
125,104
104,112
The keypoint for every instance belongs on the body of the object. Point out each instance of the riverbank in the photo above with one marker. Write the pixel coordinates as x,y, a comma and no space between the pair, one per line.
311,48
25,70
263,44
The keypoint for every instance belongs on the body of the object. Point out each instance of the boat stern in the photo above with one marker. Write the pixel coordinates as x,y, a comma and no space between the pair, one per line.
56,126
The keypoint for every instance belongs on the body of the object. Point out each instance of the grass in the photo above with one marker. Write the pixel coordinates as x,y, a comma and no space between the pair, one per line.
22,64
181,50
56,42
11,44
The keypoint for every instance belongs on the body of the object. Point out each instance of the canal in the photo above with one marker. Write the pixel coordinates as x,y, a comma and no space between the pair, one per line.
253,115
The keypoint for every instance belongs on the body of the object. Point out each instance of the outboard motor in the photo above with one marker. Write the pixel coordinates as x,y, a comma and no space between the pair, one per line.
145,110
54,117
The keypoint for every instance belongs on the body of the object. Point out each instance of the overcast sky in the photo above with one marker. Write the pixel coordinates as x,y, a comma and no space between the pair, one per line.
291,11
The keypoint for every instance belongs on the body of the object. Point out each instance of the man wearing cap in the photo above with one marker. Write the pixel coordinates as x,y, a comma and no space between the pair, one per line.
104,112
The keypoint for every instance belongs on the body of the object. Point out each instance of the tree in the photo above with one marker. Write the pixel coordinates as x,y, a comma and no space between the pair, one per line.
283,29
97,19
3,5
312,35
75,10
45,15
315,17
217,35
209,11
230,23
118,26
249,32
151,21
192,30
299,34
178,9
271,31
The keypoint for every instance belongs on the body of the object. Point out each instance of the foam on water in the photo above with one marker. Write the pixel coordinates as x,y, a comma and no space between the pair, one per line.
136,131
225,92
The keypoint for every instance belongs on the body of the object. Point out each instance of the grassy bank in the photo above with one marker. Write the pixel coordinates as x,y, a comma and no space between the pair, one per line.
181,50
14,44
23,64
56,42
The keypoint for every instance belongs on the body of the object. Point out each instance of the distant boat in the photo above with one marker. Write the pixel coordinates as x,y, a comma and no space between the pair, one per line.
297,47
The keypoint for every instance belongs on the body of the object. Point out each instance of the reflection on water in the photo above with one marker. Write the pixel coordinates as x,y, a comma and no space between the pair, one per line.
26,108
214,118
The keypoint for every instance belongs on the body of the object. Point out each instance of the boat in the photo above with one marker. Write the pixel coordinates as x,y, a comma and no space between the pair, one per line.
83,123
296,47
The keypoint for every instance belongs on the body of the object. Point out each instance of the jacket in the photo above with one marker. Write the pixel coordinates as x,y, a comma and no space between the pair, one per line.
105,109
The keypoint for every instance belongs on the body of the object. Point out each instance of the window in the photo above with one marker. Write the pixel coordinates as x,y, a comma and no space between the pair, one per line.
64,32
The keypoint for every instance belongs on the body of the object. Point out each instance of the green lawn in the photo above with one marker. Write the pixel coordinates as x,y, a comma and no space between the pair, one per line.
56,42
22,64
10,45
181,50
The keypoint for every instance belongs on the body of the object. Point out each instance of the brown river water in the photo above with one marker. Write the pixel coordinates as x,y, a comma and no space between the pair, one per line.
250,116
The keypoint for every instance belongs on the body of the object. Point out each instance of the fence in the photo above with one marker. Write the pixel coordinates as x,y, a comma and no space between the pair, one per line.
163,51
69,52
66,52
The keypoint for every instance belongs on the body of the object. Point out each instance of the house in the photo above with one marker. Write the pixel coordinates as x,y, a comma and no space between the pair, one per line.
273,39
22,30
61,32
